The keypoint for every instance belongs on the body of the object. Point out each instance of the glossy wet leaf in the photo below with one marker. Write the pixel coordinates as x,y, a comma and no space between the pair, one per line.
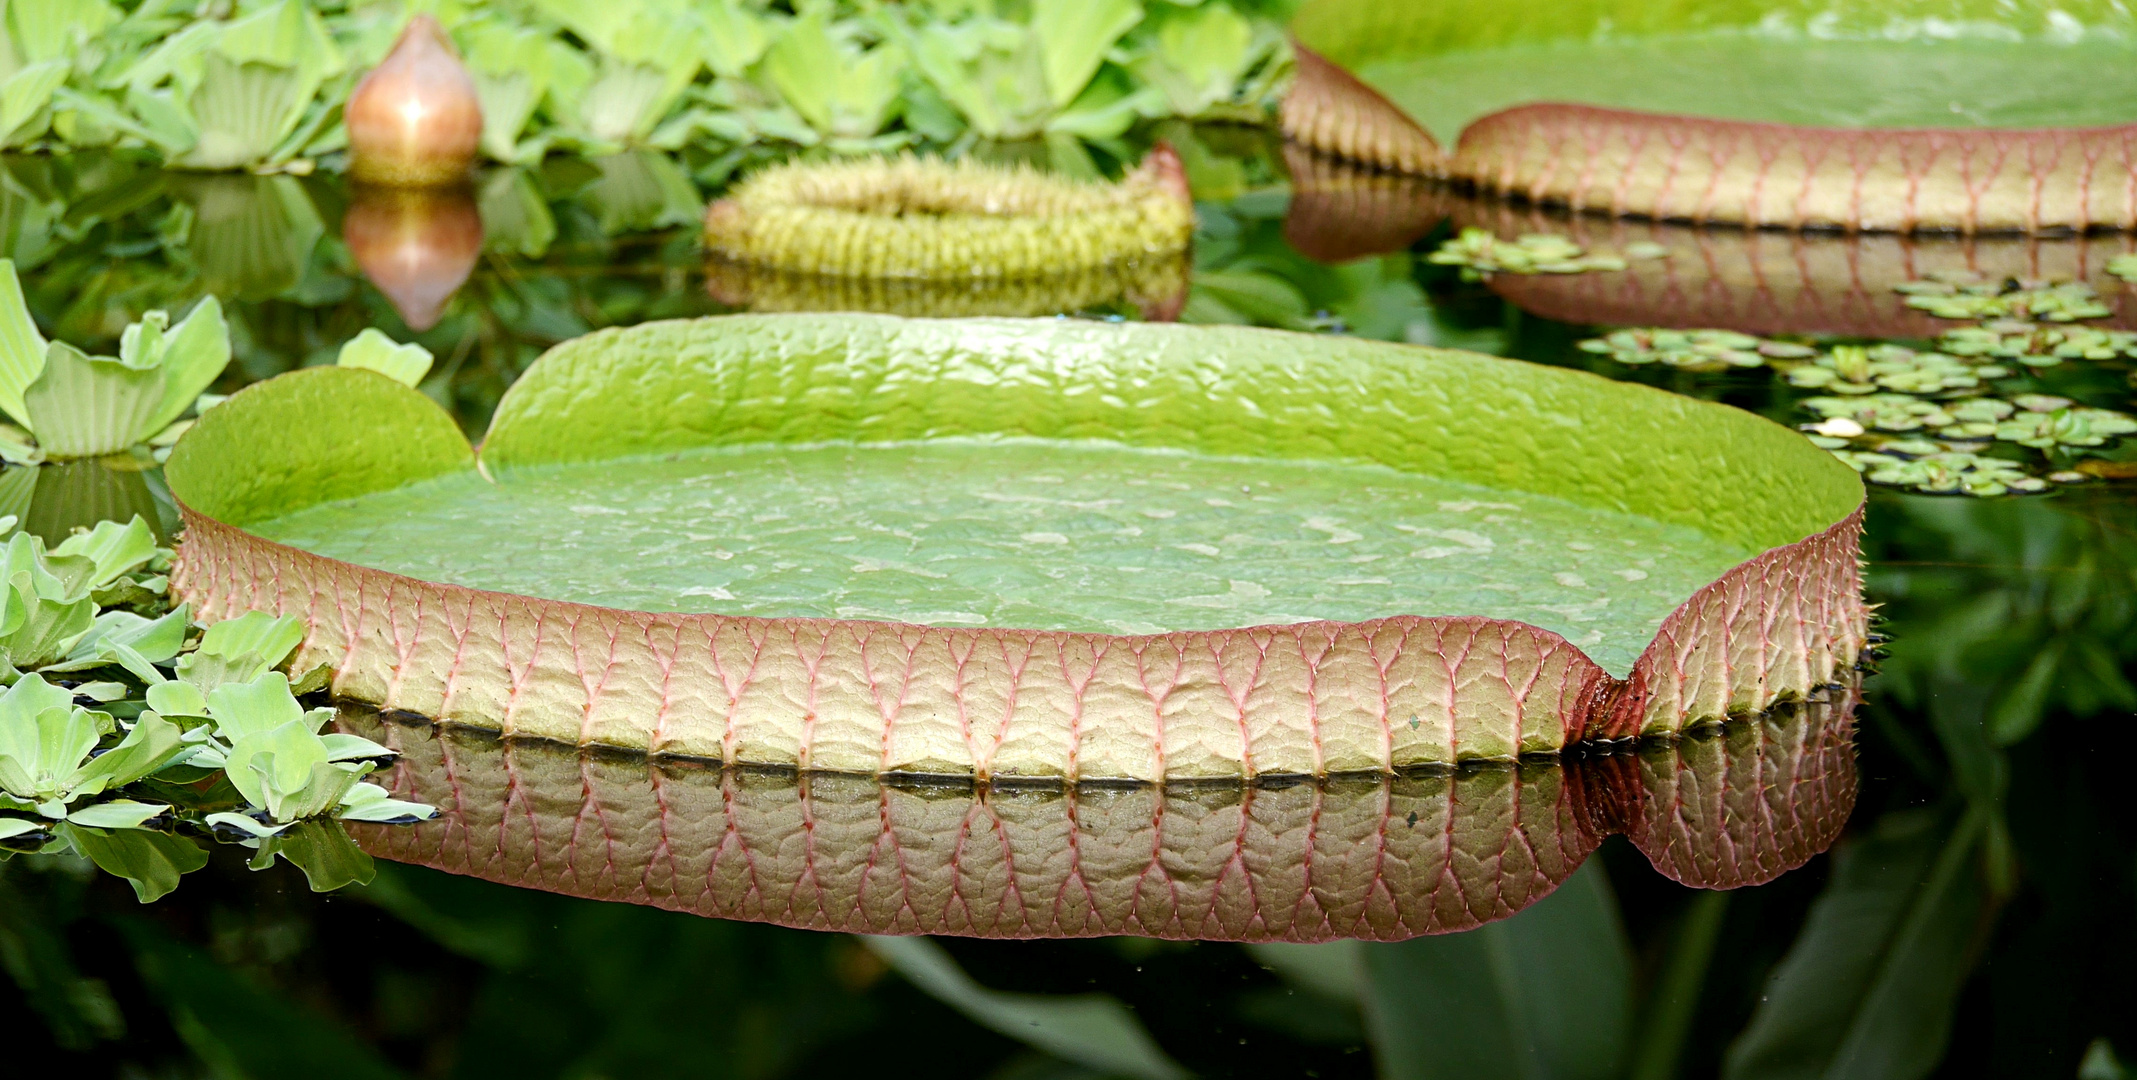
1868,988
1545,994
240,650
1090,1029
373,350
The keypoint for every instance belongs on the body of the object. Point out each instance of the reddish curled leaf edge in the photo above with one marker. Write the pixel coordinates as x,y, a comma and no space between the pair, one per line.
1673,167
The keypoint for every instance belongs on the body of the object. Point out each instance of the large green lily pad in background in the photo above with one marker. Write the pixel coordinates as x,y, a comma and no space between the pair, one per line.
1048,549
1361,857
1967,114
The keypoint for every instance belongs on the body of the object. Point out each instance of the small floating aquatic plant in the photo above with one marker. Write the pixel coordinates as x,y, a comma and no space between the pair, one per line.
126,732
2035,345
74,405
1479,253
1868,392
1691,350
71,405
1967,295
911,217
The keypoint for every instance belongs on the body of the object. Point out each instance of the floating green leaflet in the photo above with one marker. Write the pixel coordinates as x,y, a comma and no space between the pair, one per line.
1017,80
240,650
1868,369
1200,58
1479,253
79,405
2037,346
404,364
1967,295
646,54
1692,350
46,767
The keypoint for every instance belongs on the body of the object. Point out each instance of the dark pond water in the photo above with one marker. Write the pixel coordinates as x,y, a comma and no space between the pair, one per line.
1974,917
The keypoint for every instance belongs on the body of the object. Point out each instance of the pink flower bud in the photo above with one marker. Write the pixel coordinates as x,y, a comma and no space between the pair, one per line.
414,119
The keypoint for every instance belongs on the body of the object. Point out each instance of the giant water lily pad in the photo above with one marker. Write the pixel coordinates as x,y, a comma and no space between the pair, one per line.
1047,549
1970,114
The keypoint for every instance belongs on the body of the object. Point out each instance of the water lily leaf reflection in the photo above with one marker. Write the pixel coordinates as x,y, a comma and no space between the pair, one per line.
1382,858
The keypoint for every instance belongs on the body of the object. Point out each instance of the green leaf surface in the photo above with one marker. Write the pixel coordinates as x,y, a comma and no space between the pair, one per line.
374,351
1448,440
1868,989
341,432
88,406
151,744
116,814
1089,1029
1073,37
114,547
192,356
1544,994
241,651
22,348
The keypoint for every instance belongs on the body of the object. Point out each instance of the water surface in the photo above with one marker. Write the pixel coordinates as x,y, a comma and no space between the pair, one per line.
1080,536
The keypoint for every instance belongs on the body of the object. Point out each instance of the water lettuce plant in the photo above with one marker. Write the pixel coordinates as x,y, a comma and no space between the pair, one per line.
124,731
1375,858
1757,112
911,217
1088,701
77,405
267,87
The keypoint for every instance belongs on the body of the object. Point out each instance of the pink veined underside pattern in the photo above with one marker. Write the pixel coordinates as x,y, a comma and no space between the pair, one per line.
1379,858
873,698
1684,168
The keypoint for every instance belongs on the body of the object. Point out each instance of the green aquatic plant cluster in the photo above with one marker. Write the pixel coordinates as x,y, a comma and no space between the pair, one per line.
1480,253
2037,346
127,734
68,404
1917,418
1967,294
1692,350
262,87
